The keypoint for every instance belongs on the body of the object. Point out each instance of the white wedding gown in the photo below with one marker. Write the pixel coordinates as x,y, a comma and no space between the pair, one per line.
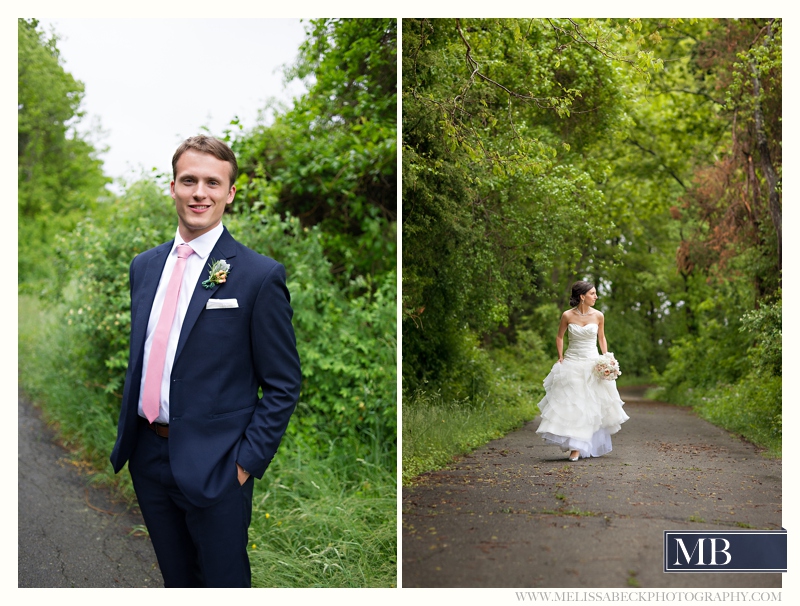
580,411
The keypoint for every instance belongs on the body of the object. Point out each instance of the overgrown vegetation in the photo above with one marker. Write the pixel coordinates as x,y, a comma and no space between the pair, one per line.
59,176
331,491
642,155
437,429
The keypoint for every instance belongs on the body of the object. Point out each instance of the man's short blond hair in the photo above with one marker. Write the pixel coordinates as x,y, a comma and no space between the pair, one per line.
207,145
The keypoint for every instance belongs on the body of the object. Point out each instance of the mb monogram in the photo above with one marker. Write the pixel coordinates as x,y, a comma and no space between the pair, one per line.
728,551
687,556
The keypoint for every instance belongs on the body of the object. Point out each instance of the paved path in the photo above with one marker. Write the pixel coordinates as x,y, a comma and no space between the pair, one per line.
70,533
516,513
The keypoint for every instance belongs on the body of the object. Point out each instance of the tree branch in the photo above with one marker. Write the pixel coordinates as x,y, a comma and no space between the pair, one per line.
473,64
694,92
664,166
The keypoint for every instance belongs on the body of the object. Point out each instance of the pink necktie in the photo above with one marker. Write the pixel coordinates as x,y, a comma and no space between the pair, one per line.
151,398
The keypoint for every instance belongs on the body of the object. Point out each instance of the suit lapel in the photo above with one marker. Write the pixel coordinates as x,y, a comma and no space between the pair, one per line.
147,294
225,248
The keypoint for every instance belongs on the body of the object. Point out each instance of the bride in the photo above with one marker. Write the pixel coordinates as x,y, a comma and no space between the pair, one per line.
580,411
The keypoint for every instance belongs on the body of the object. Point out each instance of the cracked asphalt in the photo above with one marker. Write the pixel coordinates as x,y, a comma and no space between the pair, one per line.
70,532
516,513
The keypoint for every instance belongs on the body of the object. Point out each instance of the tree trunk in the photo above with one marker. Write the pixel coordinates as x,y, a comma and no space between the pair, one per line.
773,182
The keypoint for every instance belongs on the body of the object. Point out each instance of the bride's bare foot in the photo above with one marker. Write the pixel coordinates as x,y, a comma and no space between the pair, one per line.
573,456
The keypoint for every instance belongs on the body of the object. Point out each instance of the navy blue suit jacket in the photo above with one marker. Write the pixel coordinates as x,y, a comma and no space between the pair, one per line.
216,417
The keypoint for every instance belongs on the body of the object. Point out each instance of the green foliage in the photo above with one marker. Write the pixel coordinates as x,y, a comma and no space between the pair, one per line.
346,340
59,177
438,426
52,374
499,202
331,159
673,126
332,522
328,166
728,363
716,355
750,408
94,262
764,325
318,187
436,430
730,372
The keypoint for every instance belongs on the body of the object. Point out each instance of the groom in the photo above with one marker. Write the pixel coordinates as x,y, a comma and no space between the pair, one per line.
213,377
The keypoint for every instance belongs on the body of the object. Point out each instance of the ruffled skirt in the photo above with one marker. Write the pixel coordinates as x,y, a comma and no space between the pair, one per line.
580,411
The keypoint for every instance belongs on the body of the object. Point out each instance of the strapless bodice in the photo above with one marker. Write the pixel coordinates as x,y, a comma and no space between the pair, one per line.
582,342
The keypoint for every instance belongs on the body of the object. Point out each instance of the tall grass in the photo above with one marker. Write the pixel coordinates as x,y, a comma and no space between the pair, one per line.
84,415
435,431
440,424
748,409
328,521
320,518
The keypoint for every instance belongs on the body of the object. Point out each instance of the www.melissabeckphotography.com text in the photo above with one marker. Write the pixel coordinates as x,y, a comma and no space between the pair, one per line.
649,596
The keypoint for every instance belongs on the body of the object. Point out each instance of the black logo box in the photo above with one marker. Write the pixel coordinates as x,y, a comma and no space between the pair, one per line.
725,551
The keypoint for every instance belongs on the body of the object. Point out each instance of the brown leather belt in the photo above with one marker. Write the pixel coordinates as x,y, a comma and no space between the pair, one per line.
161,429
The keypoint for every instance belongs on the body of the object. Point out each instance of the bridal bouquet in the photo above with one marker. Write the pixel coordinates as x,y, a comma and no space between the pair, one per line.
607,367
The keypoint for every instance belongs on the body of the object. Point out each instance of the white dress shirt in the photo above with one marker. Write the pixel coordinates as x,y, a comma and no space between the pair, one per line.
196,264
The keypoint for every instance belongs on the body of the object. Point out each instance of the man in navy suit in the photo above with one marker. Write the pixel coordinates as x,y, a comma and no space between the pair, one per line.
196,432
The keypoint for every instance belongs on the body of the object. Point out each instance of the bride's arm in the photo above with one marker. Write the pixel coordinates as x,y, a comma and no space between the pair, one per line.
562,328
601,335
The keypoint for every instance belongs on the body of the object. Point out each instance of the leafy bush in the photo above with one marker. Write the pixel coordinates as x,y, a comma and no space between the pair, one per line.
717,354
346,339
331,160
96,258
765,328
750,408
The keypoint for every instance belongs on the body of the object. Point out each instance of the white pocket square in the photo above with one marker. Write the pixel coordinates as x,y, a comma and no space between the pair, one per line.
221,303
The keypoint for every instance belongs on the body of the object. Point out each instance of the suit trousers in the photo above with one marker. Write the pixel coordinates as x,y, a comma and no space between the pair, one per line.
195,546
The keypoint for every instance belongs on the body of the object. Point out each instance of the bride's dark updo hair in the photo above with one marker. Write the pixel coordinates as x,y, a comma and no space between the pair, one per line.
579,288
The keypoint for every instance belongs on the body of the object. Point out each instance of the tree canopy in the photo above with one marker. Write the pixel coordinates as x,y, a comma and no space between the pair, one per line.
505,128
331,159
59,177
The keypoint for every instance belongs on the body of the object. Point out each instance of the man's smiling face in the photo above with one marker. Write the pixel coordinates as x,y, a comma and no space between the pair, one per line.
201,191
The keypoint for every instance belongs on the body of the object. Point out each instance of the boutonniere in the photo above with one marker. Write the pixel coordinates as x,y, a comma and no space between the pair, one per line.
218,273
